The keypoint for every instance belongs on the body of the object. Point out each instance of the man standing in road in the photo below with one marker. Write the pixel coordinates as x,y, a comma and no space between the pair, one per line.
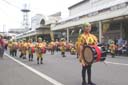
86,38
1,46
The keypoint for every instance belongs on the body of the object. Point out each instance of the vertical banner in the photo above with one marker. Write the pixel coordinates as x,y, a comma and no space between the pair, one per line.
105,27
52,35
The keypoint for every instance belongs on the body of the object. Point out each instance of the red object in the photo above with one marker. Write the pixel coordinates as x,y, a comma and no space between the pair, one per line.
43,50
98,53
1,42
33,49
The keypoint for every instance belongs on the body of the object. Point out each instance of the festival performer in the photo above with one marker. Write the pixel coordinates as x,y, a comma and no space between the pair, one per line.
112,48
14,48
57,45
77,47
23,49
52,46
31,50
71,48
86,38
40,48
20,43
68,46
63,47
45,46
10,47
2,45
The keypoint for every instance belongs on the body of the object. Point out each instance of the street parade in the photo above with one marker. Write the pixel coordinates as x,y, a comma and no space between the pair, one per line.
88,47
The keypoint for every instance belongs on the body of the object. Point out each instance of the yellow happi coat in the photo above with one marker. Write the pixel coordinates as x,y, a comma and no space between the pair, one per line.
39,47
85,39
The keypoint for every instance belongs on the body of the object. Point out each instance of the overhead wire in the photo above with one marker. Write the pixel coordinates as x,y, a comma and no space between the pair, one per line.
9,3
4,4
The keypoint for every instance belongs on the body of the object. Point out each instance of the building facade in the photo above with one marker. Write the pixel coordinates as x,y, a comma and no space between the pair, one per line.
109,18
40,27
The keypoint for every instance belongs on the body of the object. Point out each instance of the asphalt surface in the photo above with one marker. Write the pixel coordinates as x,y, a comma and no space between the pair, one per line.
66,71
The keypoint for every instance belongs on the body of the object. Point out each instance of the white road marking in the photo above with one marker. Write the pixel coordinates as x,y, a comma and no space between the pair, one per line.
44,76
108,62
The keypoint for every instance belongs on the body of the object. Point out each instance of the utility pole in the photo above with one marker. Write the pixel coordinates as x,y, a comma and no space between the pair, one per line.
4,29
25,11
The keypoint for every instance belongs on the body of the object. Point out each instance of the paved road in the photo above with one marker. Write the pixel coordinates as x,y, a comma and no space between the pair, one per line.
66,71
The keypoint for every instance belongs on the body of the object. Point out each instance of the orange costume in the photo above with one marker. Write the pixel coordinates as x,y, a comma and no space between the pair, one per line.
63,47
23,49
31,50
85,39
112,48
40,48
52,47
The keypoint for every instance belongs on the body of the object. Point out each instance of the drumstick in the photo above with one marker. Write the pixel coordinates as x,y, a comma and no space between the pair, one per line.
105,63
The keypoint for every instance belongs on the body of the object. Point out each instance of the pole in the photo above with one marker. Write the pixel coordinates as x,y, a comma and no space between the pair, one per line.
100,31
3,29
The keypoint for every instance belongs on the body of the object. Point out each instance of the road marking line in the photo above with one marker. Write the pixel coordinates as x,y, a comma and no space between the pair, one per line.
44,76
123,64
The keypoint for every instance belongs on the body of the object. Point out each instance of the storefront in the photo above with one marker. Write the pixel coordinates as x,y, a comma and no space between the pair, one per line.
108,20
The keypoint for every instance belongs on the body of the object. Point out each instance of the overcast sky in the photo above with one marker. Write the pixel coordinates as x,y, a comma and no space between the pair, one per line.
11,15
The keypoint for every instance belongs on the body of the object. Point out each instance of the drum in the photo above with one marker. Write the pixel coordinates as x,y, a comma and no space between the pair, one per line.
93,54
31,49
43,50
39,50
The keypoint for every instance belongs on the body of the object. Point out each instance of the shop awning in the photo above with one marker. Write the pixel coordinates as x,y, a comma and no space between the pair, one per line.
98,17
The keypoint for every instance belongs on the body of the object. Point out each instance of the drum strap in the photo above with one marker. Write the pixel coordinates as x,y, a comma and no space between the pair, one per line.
98,53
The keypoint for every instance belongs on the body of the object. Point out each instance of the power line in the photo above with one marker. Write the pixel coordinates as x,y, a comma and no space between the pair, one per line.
7,2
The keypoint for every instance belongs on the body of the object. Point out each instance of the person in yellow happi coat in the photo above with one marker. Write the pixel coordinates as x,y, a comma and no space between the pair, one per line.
40,47
52,46
19,47
112,48
44,42
77,47
14,48
72,48
2,46
23,49
10,46
63,47
31,50
86,38
57,45
45,46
